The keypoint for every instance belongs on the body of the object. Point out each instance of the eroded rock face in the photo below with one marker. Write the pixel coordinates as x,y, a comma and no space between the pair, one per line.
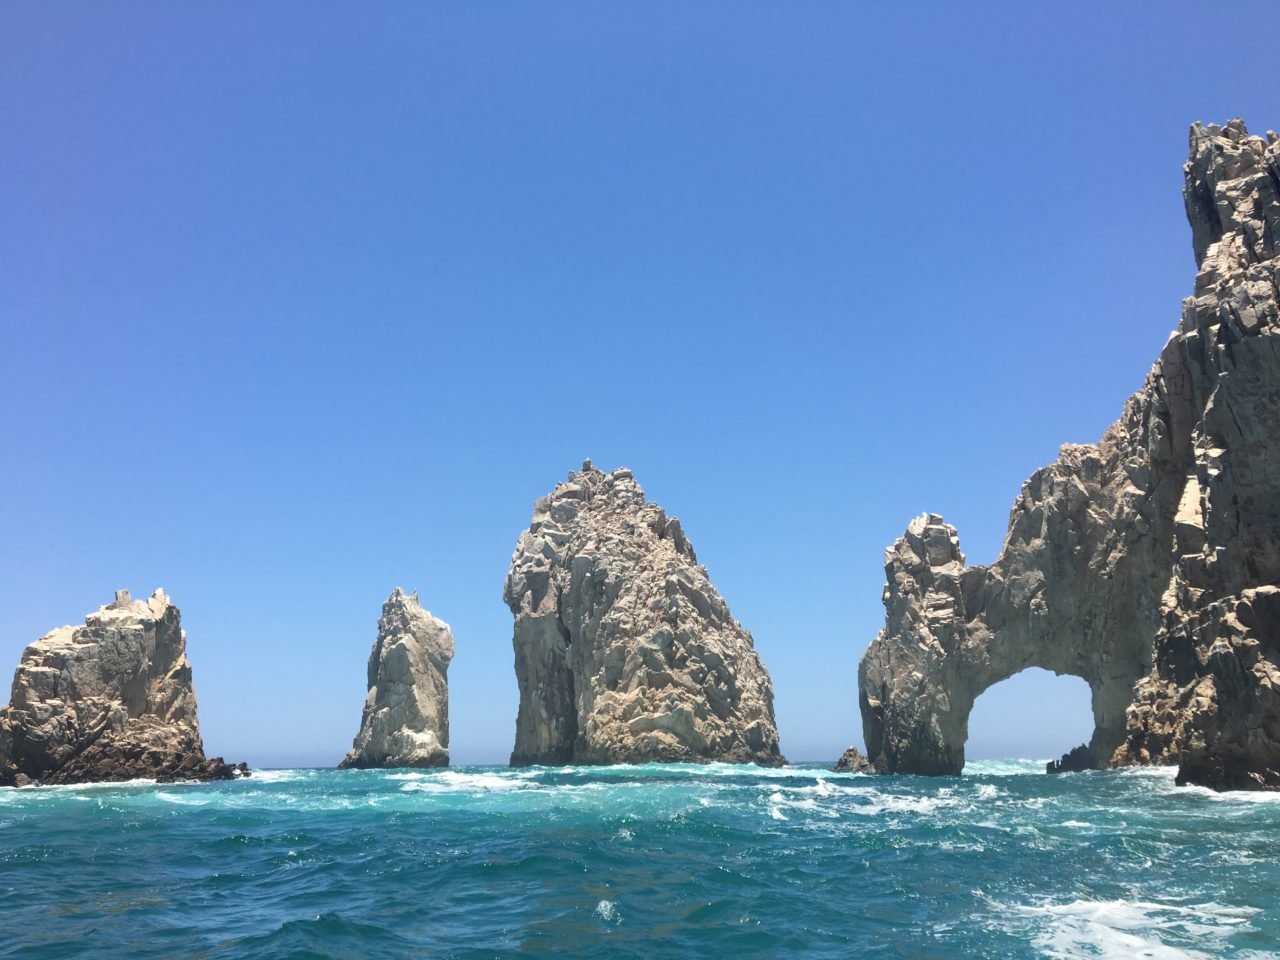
625,652
1146,564
406,712
111,700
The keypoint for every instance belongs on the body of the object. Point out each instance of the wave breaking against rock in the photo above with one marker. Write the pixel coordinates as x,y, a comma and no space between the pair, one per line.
1147,564
625,652
406,712
111,700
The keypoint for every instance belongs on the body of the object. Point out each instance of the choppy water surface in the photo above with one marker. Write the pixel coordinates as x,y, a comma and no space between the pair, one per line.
650,861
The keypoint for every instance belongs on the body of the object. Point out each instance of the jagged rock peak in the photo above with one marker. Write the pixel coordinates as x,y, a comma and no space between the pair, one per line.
1232,184
625,652
110,700
406,711
1147,564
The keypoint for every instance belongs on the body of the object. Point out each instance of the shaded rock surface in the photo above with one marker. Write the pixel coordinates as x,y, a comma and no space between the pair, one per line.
406,712
625,652
1145,564
1073,761
111,700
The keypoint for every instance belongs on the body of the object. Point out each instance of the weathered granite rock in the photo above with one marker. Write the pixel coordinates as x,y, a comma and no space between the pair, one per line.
852,761
406,712
111,700
1146,564
625,652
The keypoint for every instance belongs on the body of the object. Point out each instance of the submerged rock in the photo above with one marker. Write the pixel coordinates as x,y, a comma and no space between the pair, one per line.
1146,564
625,652
406,712
111,700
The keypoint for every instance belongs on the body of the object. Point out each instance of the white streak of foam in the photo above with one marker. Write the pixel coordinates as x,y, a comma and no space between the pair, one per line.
1131,928
183,800
890,803
450,781
1230,796
275,776
1161,773
1003,768
61,788
775,807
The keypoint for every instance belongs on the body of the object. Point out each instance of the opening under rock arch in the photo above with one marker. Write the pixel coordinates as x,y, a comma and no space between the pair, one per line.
1034,714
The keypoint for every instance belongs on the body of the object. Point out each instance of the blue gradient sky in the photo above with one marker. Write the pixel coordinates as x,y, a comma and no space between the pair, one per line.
301,302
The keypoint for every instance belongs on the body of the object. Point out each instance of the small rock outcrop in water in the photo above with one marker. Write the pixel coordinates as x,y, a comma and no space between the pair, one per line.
1147,564
406,712
852,761
1073,761
625,652
111,700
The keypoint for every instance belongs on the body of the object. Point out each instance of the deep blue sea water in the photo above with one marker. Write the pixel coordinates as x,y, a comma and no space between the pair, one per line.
649,861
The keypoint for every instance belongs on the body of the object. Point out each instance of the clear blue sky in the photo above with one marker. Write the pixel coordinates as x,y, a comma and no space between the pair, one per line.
300,302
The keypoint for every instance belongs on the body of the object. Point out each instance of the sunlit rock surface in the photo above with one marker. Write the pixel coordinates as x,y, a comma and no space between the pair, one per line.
1146,564
625,652
406,711
111,700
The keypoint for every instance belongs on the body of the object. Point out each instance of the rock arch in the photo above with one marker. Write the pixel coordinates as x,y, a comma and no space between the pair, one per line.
1148,564
952,632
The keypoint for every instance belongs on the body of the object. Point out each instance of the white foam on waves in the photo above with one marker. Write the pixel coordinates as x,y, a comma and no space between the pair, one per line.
607,911
1128,928
277,776
451,781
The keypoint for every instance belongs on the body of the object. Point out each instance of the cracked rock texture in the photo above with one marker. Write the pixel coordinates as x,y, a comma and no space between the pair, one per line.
111,700
625,652
1148,564
406,712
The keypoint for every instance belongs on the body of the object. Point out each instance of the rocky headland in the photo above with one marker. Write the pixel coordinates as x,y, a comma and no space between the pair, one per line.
406,712
1147,564
625,652
111,700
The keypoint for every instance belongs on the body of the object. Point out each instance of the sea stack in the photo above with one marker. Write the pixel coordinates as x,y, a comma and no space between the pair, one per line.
1149,563
625,652
406,712
111,700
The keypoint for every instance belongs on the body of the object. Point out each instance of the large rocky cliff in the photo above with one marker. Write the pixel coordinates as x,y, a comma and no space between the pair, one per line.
406,711
1149,563
625,652
111,700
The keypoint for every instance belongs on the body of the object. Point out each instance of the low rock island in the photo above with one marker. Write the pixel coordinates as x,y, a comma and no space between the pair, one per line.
111,700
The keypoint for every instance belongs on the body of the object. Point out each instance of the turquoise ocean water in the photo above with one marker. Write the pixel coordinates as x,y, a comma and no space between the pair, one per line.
648,861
